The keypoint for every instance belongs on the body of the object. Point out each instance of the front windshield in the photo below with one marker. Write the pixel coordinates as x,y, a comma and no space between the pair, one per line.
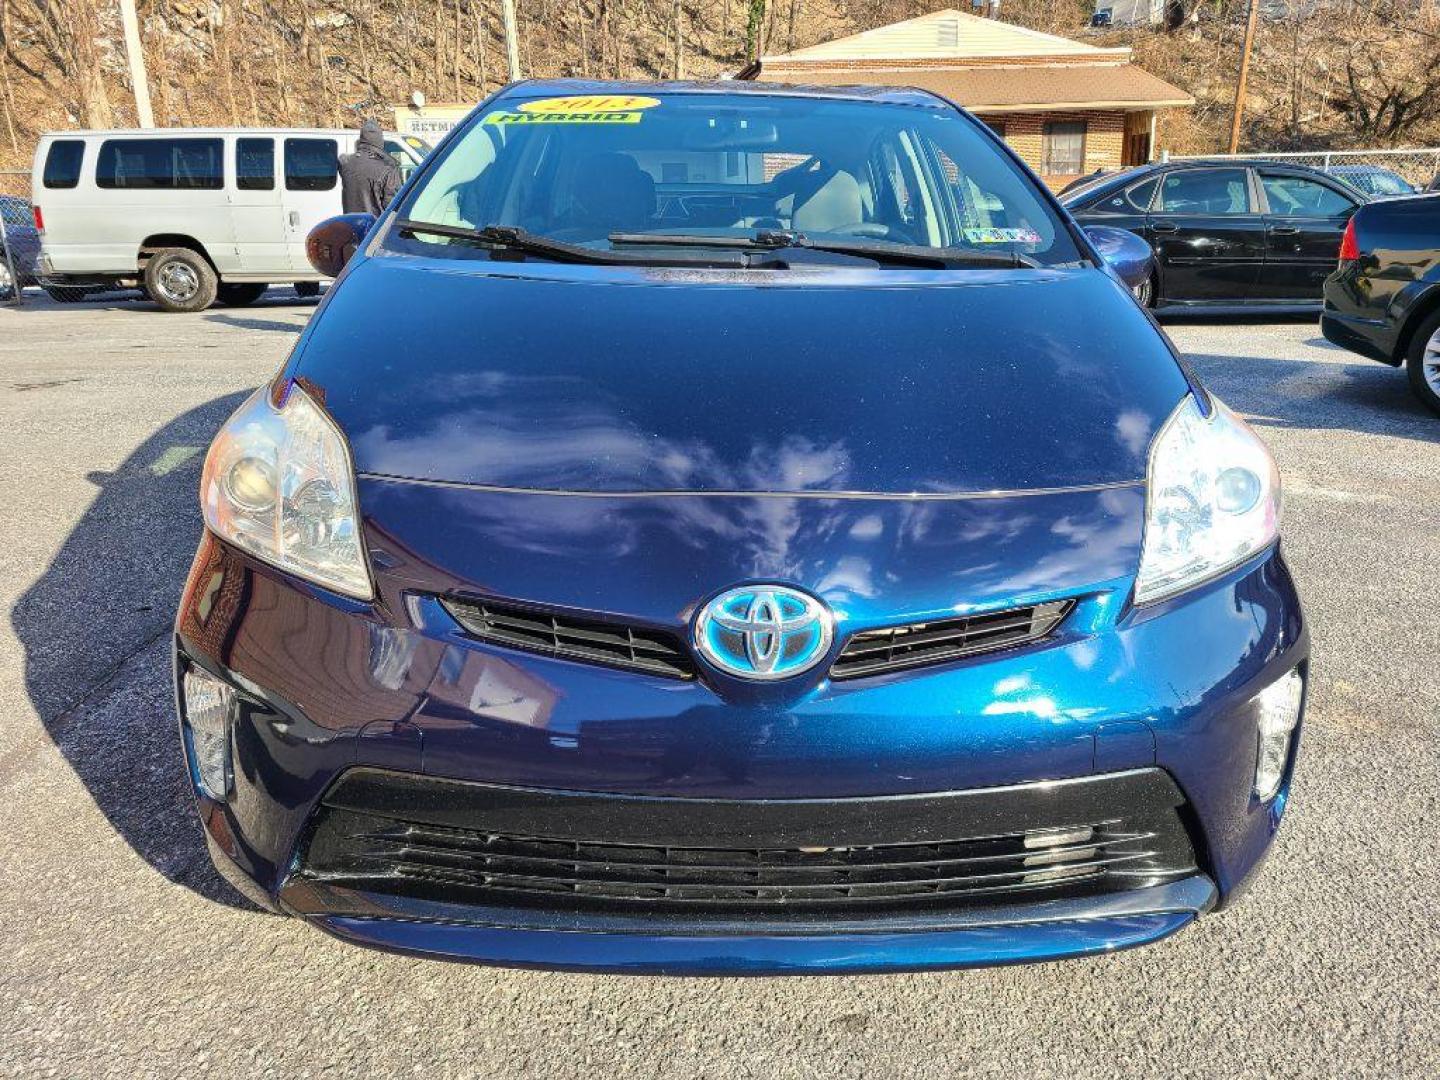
685,168
1381,182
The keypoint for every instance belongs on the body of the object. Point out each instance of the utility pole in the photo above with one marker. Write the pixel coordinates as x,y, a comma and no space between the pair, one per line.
512,42
136,56
679,41
1244,74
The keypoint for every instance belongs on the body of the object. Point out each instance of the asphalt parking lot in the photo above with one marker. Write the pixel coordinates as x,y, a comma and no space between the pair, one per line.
121,952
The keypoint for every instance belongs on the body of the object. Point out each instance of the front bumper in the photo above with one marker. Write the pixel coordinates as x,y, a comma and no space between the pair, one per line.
328,692
1064,931
986,876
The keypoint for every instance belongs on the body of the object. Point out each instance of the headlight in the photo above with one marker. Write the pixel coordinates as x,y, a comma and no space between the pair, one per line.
278,484
1212,500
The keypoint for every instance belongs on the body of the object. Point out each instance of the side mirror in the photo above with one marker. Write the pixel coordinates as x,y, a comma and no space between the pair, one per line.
332,242
1124,252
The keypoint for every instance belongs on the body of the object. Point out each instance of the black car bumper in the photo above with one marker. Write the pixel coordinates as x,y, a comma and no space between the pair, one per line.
1368,336
1357,319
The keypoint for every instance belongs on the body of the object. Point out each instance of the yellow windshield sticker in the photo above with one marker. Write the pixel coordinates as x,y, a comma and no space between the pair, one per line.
563,118
591,103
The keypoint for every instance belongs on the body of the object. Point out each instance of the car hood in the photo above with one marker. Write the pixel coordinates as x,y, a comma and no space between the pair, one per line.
605,379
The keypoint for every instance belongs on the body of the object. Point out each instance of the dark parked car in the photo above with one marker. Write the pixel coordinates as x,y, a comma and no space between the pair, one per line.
1373,180
736,528
1383,300
19,237
1227,235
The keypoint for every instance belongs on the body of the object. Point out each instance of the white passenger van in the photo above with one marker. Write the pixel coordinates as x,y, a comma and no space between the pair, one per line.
189,214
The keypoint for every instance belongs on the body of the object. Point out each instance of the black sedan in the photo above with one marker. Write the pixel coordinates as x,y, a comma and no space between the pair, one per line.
1226,234
1383,300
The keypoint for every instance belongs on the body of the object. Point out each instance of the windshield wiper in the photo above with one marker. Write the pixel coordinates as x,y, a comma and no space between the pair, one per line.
882,251
513,238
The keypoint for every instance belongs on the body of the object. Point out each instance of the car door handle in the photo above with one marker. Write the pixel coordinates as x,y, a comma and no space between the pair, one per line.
1164,226
294,217
1284,230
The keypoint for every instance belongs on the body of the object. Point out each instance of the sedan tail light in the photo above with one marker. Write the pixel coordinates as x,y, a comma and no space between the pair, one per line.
1349,246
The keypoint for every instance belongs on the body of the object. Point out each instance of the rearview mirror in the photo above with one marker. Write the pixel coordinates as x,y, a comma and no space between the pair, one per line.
1124,252
332,242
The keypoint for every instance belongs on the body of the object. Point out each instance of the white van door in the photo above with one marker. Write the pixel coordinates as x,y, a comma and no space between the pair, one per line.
311,191
261,243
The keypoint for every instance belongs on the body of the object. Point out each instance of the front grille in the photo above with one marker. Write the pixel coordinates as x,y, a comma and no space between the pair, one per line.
588,853
875,652
503,869
599,642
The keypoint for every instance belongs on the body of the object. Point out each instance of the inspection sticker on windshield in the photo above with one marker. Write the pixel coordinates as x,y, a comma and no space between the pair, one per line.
578,109
1001,236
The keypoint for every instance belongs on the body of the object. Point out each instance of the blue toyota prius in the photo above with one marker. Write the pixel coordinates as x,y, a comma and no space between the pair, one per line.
727,528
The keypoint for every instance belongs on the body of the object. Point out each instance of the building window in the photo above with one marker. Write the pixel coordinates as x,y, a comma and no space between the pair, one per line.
1064,148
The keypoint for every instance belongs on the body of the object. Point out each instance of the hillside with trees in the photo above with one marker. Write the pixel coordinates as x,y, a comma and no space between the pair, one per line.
1325,74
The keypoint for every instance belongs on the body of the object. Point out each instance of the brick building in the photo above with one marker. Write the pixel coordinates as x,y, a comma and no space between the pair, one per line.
1066,107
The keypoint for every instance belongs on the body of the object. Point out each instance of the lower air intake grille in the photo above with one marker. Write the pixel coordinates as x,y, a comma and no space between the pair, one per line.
451,842
616,644
507,868
875,652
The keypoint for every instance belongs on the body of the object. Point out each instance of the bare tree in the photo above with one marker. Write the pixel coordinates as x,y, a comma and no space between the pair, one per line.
65,32
679,41
754,29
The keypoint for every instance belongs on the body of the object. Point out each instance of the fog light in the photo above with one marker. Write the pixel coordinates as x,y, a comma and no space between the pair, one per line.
207,723
1277,711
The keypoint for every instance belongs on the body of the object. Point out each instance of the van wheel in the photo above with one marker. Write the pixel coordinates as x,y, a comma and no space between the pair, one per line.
1423,362
179,279
307,289
239,295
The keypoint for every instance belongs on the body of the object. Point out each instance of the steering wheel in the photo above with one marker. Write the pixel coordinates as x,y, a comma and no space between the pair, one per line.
874,229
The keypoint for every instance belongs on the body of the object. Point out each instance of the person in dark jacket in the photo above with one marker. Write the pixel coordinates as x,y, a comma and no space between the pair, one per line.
369,178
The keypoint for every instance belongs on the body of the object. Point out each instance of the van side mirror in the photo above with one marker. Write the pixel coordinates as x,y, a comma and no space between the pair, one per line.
332,242
1124,252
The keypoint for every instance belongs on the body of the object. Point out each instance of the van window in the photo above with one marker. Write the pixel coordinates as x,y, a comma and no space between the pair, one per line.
151,164
62,163
403,161
255,164
311,164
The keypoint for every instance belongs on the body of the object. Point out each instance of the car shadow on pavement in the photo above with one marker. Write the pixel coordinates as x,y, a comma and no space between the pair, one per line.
94,628
1363,396
247,322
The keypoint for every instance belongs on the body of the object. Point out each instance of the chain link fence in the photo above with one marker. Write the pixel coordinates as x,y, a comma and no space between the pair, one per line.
1375,172
19,241
20,278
